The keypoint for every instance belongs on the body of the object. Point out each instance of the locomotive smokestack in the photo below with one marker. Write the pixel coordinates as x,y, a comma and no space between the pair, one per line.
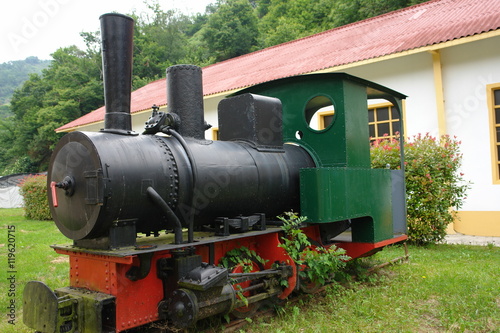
185,98
117,33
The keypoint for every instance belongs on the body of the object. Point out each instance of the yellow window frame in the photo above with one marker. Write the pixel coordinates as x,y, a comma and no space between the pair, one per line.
390,121
374,107
321,118
215,133
494,130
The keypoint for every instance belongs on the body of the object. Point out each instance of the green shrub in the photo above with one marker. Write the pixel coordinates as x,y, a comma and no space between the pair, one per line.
435,187
22,165
34,192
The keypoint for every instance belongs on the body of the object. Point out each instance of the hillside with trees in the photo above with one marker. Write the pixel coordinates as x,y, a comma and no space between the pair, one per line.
12,75
71,85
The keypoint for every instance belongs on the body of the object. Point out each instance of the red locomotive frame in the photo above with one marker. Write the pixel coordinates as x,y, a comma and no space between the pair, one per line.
136,301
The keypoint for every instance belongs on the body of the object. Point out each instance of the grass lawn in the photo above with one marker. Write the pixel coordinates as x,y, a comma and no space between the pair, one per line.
443,288
34,260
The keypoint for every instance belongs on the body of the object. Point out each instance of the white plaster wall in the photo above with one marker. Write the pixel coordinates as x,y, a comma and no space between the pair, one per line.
210,105
467,69
139,119
410,75
94,127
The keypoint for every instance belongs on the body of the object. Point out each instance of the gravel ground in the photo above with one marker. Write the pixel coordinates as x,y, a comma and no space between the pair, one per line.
472,240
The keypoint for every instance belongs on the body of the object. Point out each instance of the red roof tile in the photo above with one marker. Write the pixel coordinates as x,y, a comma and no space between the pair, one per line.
414,27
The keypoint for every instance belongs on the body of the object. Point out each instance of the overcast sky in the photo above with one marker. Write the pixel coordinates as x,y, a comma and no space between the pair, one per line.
40,27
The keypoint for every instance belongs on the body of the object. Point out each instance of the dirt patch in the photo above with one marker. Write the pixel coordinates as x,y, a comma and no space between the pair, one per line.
60,259
429,322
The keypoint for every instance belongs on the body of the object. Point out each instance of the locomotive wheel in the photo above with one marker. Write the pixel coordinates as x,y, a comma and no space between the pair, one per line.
307,286
250,309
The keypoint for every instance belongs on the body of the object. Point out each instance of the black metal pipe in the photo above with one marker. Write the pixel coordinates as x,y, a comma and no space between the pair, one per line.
253,275
158,200
185,98
252,287
117,34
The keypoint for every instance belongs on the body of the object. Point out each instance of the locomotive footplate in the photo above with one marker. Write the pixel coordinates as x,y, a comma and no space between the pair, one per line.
162,243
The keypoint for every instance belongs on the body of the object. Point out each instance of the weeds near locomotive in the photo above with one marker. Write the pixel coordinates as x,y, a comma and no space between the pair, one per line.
318,265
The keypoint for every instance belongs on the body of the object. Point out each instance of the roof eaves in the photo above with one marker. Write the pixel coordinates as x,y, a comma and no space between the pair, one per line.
405,52
67,129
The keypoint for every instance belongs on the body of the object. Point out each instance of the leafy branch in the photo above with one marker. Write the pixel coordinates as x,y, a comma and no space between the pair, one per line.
243,257
318,264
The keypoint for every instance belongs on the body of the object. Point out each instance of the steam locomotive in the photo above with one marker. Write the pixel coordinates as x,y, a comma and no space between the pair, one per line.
151,215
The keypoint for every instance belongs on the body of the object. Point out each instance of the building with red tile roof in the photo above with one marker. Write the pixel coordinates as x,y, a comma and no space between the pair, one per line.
420,28
443,54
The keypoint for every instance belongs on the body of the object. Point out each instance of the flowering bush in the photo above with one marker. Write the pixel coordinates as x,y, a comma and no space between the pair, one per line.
34,191
435,187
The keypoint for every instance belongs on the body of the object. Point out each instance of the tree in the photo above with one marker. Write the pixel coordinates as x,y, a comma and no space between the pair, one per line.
282,32
282,20
14,73
14,137
69,88
345,12
232,30
289,20
162,39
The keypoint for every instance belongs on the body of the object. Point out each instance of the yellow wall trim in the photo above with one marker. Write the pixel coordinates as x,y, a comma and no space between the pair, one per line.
438,87
478,223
